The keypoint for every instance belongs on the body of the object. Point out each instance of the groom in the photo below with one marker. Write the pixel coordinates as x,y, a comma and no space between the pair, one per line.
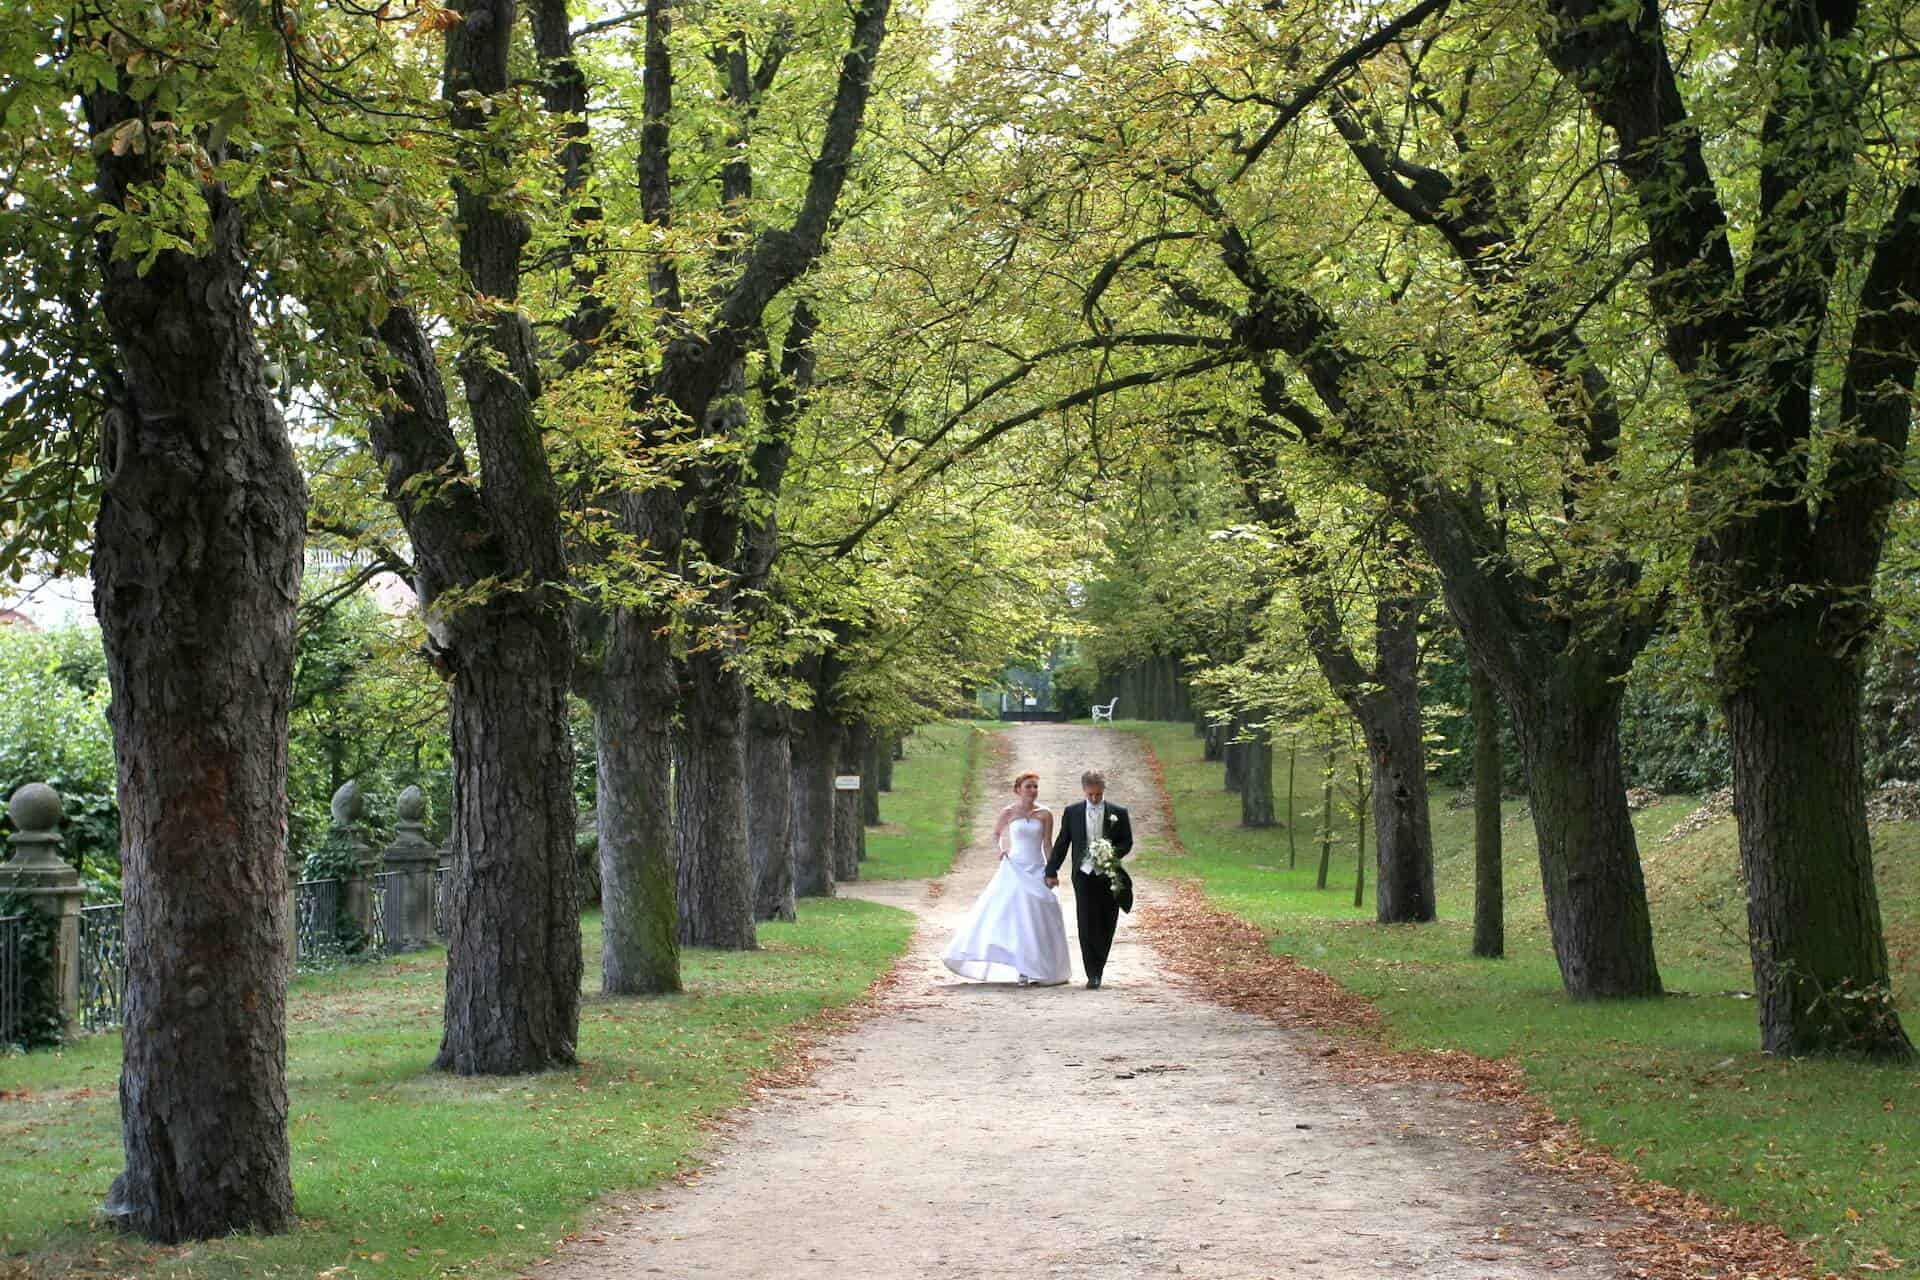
1093,899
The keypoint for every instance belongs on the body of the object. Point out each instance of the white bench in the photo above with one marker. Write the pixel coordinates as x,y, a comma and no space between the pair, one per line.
1104,713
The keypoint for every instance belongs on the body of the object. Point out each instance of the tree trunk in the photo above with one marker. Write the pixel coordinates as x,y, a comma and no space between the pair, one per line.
1785,569
1569,730
1820,968
640,921
1293,761
492,530
899,751
770,808
513,898
710,808
813,765
1326,820
884,756
196,567
1235,755
849,833
870,756
1396,747
1551,674
513,944
1215,748
1256,784
1489,891
1360,833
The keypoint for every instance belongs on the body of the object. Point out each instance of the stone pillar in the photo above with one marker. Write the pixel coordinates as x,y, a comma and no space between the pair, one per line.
346,849
38,873
410,911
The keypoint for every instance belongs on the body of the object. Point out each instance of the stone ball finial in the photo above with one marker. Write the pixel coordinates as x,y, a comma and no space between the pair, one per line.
411,806
348,804
35,807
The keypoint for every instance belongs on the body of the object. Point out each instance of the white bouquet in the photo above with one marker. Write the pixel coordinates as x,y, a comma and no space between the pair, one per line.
1105,861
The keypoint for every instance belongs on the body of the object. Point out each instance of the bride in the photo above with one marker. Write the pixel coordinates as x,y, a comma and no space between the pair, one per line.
1015,932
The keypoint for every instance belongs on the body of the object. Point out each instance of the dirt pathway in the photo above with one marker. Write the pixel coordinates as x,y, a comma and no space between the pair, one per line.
984,1131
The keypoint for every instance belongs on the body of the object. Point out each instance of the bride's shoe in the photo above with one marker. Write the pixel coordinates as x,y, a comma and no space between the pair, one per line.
1025,981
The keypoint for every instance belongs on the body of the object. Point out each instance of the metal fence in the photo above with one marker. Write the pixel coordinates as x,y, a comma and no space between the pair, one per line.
14,941
391,892
317,943
103,966
440,901
316,923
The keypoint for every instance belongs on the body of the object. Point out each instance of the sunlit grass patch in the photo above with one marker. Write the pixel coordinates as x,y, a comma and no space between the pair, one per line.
923,823
404,1171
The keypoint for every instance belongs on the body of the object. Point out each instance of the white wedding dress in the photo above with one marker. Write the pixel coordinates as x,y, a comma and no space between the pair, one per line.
1015,929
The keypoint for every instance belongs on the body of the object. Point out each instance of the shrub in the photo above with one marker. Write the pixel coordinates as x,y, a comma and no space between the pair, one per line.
53,705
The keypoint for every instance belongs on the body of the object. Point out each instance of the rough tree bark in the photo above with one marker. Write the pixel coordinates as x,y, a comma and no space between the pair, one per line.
513,945
513,904
1820,965
1489,889
1569,731
770,766
849,833
1256,783
710,809
1396,748
513,964
1360,794
770,760
1234,755
870,777
640,922
813,806
196,567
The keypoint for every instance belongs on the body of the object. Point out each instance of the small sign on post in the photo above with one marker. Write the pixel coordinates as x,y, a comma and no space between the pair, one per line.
846,782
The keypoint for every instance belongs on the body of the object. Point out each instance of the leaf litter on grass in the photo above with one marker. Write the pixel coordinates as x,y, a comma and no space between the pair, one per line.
1662,1233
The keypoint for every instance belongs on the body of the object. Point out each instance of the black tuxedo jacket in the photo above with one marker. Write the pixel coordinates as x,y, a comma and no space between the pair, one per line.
1073,837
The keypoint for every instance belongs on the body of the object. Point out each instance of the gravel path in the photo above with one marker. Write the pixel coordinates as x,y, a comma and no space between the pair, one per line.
968,1130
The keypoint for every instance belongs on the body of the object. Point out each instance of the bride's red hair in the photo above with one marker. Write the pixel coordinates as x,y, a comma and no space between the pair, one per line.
1023,777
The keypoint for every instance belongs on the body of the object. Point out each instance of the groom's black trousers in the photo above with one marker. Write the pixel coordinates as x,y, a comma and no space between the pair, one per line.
1098,915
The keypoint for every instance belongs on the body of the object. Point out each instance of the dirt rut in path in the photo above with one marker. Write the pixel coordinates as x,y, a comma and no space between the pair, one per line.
970,1130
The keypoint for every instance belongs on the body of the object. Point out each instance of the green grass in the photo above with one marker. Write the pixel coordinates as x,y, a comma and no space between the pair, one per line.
924,816
1828,1150
400,1171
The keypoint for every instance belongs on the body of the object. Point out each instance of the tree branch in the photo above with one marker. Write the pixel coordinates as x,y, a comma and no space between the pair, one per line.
1618,60
1877,398
656,151
780,258
1332,72
1141,378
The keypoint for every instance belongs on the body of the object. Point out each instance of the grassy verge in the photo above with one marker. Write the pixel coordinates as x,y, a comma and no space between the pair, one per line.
1828,1150
925,814
403,1172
